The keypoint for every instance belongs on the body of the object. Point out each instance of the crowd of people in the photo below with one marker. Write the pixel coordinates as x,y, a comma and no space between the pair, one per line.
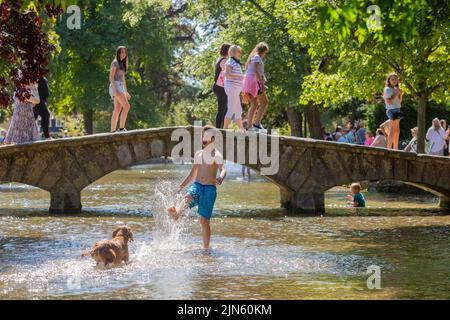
232,87
231,83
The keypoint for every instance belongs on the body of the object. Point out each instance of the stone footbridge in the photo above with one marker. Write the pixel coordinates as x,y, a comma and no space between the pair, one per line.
307,168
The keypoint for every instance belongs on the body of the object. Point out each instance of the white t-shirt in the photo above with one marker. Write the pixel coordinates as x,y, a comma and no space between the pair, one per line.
236,69
437,138
252,65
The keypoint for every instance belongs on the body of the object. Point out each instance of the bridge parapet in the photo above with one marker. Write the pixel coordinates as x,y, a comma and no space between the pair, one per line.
307,168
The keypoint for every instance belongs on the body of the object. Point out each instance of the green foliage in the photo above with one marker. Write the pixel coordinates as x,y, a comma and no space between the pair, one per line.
80,69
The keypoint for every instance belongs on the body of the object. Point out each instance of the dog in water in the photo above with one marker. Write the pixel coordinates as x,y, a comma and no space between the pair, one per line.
112,251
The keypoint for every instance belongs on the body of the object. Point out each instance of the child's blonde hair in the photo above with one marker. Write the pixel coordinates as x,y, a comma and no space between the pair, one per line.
234,49
356,186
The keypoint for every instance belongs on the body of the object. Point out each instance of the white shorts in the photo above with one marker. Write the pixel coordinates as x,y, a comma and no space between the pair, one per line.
119,87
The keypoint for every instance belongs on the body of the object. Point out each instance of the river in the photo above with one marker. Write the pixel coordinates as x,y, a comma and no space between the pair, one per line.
258,250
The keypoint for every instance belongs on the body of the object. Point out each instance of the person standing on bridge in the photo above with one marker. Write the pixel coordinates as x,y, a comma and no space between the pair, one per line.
393,97
233,87
219,91
254,88
118,89
41,108
23,127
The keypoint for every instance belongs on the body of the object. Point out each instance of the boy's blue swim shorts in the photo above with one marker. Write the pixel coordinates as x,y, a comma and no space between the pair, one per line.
204,196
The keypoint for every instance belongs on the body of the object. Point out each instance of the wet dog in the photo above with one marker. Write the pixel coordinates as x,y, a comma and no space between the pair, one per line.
112,251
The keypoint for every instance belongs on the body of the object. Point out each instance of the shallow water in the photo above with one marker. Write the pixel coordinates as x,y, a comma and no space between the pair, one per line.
258,251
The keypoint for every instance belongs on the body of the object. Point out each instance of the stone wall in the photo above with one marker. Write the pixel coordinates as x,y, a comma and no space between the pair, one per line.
307,168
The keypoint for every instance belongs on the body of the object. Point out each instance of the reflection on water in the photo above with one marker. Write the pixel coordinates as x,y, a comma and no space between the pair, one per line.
258,251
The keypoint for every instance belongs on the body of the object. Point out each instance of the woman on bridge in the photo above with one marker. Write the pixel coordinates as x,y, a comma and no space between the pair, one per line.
118,89
219,91
23,127
436,138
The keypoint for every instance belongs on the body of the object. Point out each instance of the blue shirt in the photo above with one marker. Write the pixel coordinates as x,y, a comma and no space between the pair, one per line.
351,137
359,199
361,136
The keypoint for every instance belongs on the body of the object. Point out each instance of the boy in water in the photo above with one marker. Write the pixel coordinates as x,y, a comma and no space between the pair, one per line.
202,192
356,198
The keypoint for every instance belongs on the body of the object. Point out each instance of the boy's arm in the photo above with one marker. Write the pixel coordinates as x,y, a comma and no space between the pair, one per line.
221,166
191,176
223,174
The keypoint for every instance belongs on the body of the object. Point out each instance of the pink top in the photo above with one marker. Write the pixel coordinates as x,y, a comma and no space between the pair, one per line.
369,141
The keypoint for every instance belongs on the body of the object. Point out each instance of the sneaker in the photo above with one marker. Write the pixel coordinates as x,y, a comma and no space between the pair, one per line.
122,129
260,128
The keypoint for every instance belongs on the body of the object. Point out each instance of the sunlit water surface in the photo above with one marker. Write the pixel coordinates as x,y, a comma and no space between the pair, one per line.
258,251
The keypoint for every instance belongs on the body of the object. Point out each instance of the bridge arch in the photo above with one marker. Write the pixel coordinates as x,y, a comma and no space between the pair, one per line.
307,168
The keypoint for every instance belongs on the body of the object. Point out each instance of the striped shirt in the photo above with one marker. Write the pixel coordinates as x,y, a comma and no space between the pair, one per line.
236,69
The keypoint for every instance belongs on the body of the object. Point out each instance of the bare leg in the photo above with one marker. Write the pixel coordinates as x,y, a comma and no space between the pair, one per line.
177,211
385,127
390,135
226,123
206,232
395,133
125,108
115,115
251,111
263,103
240,125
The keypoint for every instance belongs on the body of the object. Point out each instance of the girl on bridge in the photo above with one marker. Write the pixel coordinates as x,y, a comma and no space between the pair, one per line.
255,86
118,89
393,97
233,87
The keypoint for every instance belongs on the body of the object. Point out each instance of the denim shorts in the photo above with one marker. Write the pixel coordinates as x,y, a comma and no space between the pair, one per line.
204,196
119,87
394,114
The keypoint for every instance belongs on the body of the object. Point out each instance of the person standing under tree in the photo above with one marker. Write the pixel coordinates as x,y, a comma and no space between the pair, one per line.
41,108
118,89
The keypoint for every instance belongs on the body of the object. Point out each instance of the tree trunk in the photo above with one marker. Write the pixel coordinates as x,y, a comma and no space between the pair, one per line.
421,123
88,117
295,122
312,115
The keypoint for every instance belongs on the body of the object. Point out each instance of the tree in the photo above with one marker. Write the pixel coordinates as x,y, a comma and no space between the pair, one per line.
24,47
80,70
411,39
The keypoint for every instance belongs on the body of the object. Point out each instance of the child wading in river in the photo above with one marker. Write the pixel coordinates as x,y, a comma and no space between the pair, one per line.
202,192
356,198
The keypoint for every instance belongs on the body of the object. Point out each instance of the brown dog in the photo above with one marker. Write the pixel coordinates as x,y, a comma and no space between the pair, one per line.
112,251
